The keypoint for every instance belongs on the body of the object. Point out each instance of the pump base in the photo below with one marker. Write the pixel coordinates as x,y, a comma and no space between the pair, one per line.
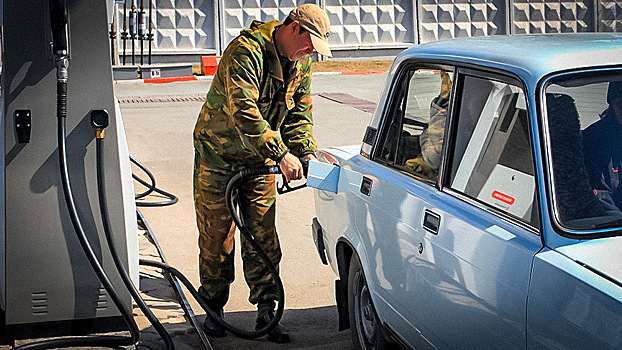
10,333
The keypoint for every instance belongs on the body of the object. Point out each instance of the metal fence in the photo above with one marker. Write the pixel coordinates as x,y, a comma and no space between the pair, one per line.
367,27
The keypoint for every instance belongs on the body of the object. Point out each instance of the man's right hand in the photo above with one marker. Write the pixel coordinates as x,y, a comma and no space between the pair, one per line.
291,167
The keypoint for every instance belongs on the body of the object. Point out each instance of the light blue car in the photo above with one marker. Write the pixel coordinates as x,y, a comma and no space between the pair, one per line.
483,210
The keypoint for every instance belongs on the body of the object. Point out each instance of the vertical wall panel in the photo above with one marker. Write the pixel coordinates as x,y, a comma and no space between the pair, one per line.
369,23
610,16
179,26
239,14
448,19
565,16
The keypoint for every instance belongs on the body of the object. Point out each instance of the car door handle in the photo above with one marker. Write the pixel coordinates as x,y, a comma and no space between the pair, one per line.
366,186
431,221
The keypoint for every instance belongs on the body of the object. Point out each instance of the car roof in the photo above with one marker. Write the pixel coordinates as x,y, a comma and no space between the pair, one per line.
529,56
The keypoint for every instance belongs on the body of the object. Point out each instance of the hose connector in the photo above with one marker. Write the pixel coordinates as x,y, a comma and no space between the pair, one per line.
62,67
99,121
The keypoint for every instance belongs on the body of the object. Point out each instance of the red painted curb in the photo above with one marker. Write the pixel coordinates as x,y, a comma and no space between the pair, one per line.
168,80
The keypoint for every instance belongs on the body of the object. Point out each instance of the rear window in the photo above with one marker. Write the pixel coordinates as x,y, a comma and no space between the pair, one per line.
584,123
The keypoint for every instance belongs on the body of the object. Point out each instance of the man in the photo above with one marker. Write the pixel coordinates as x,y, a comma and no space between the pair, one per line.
431,139
602,149
257,112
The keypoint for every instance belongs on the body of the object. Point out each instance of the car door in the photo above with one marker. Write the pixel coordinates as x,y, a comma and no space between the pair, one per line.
451,263
401,179
478,250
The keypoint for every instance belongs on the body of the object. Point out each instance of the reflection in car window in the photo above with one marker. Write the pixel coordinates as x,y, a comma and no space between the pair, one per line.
584,116
493,156
413,141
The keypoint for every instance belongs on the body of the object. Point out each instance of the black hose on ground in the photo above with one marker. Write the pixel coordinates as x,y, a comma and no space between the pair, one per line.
151,187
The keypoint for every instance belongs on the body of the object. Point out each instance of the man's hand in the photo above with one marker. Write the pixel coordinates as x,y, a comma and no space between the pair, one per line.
291,167
309,156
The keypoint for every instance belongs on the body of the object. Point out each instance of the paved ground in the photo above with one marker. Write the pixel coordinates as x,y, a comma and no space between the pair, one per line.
160,136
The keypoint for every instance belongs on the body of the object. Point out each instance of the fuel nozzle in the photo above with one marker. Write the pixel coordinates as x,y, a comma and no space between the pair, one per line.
285,187
59,20
60,47
305,166
99,121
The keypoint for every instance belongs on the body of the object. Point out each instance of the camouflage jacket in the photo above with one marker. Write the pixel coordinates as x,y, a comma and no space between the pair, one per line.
253,110
431,140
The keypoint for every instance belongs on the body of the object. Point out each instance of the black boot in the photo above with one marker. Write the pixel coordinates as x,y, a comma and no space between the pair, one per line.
265,314
213,329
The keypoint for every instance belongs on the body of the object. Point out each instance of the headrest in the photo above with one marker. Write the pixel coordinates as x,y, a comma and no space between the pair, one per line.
614,91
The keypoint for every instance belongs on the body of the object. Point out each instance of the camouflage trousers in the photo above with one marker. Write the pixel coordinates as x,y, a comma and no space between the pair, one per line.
257,203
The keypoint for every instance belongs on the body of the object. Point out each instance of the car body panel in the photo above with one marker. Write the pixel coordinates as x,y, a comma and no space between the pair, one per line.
601,255
571,307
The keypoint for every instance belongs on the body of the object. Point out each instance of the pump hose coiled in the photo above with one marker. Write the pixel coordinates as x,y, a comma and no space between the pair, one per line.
151,187
229,196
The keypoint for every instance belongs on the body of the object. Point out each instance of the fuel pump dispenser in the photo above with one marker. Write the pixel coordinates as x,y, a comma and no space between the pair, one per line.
48,287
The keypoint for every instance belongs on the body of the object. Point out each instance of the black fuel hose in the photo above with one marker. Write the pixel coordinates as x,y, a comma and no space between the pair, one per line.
77,224
232,185
151,187
103,207
229,196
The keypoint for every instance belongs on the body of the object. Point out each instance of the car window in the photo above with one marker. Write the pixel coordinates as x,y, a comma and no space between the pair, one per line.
414,128
584,118
492,151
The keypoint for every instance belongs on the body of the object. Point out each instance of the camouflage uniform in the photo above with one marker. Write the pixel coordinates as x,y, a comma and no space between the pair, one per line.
255,112
431,139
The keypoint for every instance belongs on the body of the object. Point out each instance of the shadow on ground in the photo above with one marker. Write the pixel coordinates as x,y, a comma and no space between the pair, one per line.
314,328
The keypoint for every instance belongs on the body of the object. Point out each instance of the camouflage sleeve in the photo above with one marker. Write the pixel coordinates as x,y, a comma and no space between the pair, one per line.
297,128
431,140
242,91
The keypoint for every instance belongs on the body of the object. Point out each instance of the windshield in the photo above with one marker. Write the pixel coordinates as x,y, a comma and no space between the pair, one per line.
584,116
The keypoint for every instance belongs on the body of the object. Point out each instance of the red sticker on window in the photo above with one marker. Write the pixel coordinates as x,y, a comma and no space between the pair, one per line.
503,197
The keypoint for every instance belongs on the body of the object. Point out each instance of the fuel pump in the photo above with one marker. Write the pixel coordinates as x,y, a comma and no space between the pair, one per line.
49,287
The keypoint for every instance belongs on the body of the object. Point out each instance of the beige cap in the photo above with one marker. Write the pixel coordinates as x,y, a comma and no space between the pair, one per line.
314,19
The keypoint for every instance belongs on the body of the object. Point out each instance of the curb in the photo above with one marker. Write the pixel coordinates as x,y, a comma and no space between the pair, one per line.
208,77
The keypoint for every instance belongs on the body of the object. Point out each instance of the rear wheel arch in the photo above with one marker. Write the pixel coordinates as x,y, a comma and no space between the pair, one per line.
344,254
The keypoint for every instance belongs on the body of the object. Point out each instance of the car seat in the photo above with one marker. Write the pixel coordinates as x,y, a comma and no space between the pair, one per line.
574,194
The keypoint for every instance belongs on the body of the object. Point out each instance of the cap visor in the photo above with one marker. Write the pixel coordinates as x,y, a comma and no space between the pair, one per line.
321,46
